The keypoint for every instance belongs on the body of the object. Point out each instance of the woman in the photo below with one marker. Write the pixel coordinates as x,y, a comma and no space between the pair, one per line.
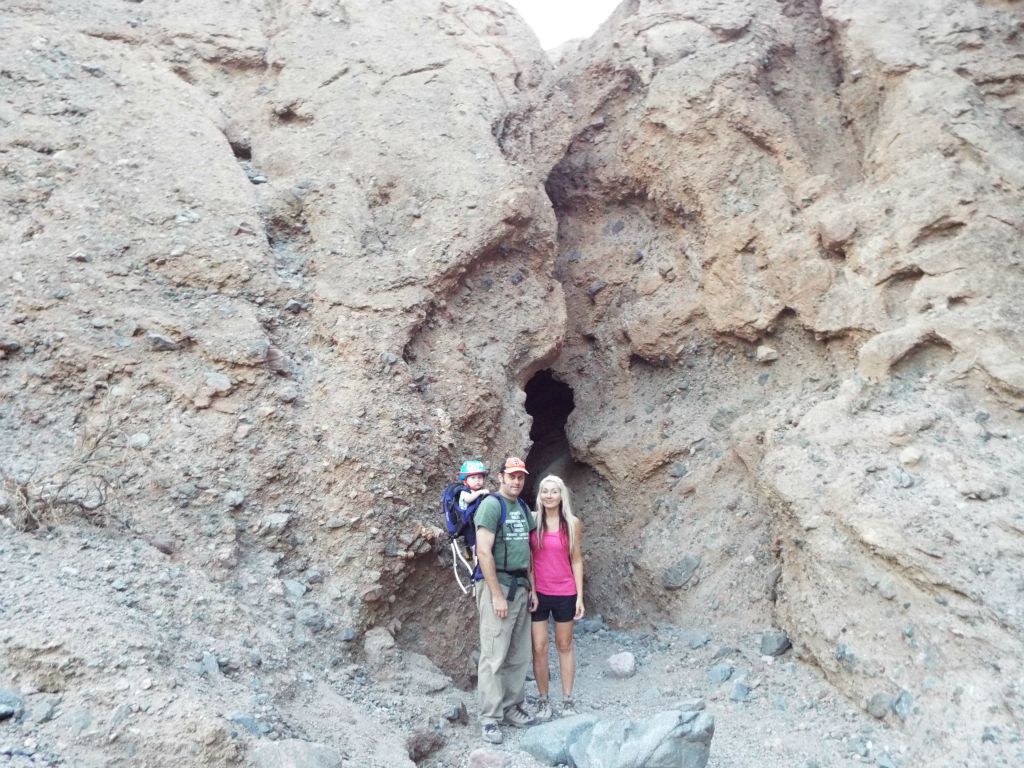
557,589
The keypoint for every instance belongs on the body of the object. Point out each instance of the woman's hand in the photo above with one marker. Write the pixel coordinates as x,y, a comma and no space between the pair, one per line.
580,610
533,600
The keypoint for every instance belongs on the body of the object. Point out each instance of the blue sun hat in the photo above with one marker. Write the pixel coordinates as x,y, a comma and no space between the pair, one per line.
472,467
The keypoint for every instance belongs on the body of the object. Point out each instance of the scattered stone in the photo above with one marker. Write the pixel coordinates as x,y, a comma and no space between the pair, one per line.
695,639
44,711
274,524
294,589
879,705
11,704
719,673
249,723
592,624
740,690
160,343
309,616
457,714
210,666
774,642
765,354
234,499
903,705
293,306
678,575
910,456
138,441
295,753
622,665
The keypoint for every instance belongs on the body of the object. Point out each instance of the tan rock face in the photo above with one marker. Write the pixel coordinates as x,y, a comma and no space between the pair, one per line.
315,253
837,186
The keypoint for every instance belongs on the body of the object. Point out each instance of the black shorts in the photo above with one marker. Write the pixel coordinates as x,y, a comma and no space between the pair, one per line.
562,607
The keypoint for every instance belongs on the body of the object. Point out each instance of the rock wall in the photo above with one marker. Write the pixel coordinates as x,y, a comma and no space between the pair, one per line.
789,236
274,269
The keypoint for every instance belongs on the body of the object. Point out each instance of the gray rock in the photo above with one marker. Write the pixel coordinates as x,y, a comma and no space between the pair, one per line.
294,589
44,711
668,739
591,624
774,642
622,665
293,306
457,714
879,705
766,354
678,575
160,343
274,523
719,673
249,723
740,690
550,742
295,753
138,441
11,704
234,499
903,705
310,616
695,639
210,665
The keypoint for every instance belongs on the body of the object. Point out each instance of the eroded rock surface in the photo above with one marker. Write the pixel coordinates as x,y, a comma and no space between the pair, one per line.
274,269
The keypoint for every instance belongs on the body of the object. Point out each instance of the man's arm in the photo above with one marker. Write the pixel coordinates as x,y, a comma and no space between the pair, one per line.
485,558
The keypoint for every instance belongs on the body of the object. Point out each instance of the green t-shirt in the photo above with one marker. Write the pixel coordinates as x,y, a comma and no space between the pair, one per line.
513,541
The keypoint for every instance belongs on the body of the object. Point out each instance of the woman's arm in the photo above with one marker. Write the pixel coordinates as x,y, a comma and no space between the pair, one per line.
576,556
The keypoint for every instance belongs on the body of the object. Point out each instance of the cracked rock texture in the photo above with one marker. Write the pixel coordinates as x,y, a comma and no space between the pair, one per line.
273,269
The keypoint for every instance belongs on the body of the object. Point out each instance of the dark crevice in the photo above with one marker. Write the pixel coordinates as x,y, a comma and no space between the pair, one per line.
549,402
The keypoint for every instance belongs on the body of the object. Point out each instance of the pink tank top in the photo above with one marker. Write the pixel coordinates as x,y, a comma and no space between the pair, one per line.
551,567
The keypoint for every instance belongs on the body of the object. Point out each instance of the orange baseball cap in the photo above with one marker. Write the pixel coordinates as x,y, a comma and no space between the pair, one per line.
514,465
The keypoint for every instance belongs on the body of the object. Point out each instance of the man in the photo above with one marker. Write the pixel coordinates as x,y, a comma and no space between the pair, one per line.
502,594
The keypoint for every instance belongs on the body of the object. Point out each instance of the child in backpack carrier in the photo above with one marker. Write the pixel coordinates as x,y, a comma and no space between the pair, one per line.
459,502
472,474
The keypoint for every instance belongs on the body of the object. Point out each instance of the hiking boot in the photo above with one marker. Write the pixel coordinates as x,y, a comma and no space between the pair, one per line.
569,707
543,709
518,717
491,733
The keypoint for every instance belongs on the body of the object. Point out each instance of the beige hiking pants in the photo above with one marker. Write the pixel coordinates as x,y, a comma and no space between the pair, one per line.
505,653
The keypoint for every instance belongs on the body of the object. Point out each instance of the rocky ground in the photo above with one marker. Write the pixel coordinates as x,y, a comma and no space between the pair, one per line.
118,656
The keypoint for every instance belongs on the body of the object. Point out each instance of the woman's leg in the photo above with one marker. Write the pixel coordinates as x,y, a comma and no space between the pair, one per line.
539,630
566,655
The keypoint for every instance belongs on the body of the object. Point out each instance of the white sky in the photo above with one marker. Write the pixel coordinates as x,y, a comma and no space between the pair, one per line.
555,21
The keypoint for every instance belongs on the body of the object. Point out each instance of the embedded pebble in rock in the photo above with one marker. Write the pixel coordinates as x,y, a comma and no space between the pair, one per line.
879,705
766,354
622,665
138,441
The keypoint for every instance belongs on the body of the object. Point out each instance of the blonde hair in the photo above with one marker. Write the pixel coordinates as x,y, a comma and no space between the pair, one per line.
567,521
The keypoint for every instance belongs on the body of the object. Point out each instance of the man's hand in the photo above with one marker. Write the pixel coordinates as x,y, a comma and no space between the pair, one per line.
500,605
